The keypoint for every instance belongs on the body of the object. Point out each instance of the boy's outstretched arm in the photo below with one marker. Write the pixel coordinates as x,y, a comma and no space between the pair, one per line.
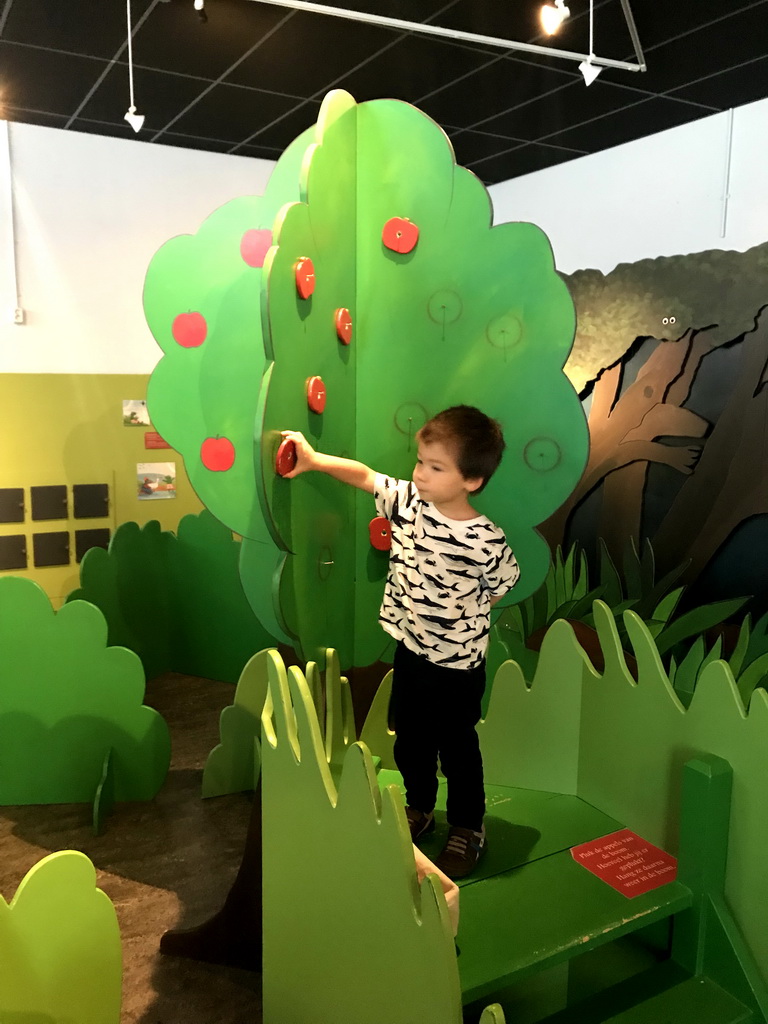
346,470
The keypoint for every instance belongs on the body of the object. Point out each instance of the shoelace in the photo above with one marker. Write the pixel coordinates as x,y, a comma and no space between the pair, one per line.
458,845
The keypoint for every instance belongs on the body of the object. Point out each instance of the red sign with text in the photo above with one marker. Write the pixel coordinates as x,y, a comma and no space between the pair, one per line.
626,862
153,440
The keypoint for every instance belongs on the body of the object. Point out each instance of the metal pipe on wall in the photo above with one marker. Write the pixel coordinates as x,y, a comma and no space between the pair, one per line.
6,183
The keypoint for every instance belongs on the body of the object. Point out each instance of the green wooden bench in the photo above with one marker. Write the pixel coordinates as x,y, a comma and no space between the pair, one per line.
551,909
350,937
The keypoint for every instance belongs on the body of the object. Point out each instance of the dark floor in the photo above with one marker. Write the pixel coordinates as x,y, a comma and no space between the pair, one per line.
164,864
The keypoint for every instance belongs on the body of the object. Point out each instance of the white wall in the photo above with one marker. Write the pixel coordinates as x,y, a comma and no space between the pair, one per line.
90,214
659,196
92,211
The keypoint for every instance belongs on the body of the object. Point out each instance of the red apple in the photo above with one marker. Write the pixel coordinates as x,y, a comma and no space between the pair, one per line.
343,321
189,329
379,532
304,271
316,394
285,459
217,454
254,246
400,234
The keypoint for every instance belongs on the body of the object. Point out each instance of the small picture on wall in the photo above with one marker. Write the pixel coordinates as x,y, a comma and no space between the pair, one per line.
135,413
155,480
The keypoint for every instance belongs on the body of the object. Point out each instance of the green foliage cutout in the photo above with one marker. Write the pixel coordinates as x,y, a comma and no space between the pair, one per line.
60,957
346,923
620,745
66,698
176,600
472,314
679,638
234,765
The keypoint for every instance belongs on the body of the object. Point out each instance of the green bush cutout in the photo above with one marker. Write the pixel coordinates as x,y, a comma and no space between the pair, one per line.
66,699
60,959
176,600
233,766
340,884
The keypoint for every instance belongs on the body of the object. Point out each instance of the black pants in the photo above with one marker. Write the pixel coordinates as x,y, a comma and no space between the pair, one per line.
434,711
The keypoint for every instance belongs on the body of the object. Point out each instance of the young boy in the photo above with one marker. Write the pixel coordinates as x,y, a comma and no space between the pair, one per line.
448,565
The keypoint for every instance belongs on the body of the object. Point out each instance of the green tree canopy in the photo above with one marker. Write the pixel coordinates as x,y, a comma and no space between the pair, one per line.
466,313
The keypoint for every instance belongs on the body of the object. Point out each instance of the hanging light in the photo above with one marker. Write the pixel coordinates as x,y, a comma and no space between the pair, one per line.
590,71
553,15
135,120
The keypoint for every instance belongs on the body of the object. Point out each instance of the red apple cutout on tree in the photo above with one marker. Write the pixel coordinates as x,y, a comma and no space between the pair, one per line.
285,459
189,329
379,532
305,276
254,246
217,454
400,234
343,321
316,394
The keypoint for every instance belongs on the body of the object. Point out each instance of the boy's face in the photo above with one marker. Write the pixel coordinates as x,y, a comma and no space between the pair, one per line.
437,475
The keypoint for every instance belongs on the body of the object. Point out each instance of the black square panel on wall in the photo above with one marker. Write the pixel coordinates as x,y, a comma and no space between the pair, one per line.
49,502
51,548
86,539
11,504
13,552
91,500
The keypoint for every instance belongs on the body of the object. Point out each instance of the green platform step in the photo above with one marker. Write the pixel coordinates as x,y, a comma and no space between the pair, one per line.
693,1001
549,909
663,994
531,918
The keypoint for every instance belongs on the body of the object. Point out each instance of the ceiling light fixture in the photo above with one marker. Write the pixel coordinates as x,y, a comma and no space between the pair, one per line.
459,35
135,120
553,16
590,71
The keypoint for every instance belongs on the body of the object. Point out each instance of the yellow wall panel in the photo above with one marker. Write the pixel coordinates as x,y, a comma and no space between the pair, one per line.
68,429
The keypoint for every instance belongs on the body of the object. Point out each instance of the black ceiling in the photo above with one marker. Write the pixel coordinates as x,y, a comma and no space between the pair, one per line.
251,77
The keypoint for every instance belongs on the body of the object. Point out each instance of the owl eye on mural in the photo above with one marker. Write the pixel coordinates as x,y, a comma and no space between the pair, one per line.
668,320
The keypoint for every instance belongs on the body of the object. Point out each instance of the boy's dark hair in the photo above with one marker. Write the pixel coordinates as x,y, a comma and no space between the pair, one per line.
476,438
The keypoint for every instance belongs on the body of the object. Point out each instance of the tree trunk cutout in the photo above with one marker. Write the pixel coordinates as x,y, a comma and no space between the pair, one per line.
730,484
623,434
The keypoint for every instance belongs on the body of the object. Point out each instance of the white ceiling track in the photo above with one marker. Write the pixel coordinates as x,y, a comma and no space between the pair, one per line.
458,35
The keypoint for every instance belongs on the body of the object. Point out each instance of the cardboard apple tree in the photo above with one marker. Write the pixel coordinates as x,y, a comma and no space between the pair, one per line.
365,292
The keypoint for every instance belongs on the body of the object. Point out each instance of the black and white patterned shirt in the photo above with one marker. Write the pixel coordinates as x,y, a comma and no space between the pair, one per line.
442,575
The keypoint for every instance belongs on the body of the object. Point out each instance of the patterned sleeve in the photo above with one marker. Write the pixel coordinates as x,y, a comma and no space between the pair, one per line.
387,491
501,572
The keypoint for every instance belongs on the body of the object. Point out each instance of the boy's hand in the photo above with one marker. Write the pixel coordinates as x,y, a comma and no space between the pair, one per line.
305,454
346,470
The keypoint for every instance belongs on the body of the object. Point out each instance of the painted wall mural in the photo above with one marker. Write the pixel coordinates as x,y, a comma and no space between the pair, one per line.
670,359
